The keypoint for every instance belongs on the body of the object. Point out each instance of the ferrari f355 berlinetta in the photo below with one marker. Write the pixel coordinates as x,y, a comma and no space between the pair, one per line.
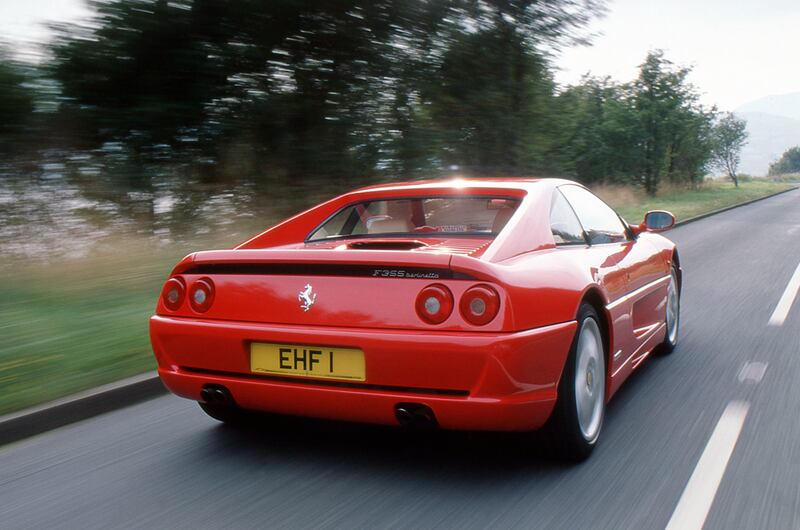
476,304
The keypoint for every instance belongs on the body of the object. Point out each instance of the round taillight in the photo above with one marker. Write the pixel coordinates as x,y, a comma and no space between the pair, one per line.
173,293
434,304
201,295
479,305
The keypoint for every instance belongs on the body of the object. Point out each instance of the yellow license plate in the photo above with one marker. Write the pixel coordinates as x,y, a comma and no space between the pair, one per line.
307,361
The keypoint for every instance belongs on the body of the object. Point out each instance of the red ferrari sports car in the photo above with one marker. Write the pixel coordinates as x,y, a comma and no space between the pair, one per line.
495,304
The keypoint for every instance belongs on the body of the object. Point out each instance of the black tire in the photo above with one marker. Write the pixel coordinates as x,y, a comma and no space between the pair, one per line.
671,339
567,436
228,414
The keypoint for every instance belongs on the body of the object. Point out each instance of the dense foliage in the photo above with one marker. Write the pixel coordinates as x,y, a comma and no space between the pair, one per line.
789,162
340,89
16,102
643,132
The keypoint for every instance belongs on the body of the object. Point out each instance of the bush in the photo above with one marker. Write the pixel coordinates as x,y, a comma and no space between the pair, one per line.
789,162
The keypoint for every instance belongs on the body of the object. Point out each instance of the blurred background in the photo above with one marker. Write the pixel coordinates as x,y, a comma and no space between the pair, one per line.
133,132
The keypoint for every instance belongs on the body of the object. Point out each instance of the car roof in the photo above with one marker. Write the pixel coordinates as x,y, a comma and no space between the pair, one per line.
525,184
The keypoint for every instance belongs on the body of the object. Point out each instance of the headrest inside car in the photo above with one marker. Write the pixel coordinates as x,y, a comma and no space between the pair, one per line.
390,226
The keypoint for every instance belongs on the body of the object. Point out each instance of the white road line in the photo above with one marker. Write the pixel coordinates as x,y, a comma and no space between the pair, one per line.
752,372
785,303
697,497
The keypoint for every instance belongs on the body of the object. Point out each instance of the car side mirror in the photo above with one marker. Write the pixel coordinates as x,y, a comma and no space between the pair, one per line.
655,221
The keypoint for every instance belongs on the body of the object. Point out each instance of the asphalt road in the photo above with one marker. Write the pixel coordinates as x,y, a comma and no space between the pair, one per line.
164,464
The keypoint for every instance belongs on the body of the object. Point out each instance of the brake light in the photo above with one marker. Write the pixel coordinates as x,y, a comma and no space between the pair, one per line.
434,303
479,305
201,295
173,293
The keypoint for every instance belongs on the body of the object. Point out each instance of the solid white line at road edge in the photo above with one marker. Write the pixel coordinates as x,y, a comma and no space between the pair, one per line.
785,303
696,500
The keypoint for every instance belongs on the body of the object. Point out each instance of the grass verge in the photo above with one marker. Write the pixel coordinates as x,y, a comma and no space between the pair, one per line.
685,203
64,331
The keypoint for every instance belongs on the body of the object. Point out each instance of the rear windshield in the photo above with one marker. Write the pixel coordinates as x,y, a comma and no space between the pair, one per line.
476,216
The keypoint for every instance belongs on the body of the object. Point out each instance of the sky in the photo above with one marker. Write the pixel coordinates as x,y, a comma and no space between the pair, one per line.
740,50
24,22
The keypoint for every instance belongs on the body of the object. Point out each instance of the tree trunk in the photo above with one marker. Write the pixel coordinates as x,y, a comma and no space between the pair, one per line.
732,175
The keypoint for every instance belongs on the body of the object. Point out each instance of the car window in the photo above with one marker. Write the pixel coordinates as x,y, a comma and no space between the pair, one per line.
601,223
446,215
563,222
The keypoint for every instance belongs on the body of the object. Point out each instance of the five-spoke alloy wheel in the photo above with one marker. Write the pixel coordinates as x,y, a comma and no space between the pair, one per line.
578,415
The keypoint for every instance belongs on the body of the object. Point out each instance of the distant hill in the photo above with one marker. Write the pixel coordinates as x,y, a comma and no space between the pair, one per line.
770,136
787,105
773,124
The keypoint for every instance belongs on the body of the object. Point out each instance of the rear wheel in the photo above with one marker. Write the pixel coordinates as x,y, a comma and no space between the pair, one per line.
672,318
578,415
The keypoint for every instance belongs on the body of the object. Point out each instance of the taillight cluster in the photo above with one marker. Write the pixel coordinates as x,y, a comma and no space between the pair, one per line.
478,305
173,293
201,294
434,303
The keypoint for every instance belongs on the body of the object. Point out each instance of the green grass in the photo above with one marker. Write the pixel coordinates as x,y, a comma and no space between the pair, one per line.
73,325
65,332
689,203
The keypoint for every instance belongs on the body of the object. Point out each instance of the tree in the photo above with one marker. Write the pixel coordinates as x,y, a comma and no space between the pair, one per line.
600,131
789,162
730,136
636,133
675,139
344,88
489,104
692,145
16,101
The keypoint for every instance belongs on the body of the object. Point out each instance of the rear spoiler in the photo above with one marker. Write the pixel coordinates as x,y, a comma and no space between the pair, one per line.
328,262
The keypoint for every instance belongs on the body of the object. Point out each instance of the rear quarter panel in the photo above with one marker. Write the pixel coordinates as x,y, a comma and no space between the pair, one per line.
543,287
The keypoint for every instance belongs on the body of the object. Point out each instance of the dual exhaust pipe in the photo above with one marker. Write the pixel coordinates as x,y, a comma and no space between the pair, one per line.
217,395
409,415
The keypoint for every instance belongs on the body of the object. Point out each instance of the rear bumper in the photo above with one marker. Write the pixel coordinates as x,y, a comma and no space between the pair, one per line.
471,381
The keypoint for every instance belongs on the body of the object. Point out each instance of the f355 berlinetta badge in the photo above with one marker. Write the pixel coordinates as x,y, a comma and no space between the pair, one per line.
307,296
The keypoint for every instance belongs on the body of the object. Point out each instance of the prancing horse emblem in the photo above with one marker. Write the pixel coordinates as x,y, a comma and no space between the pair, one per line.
307,296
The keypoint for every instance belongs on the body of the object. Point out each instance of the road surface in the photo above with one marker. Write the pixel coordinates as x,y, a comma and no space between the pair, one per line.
719,419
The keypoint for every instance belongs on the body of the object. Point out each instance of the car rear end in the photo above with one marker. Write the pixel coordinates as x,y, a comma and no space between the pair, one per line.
375,338
379,330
